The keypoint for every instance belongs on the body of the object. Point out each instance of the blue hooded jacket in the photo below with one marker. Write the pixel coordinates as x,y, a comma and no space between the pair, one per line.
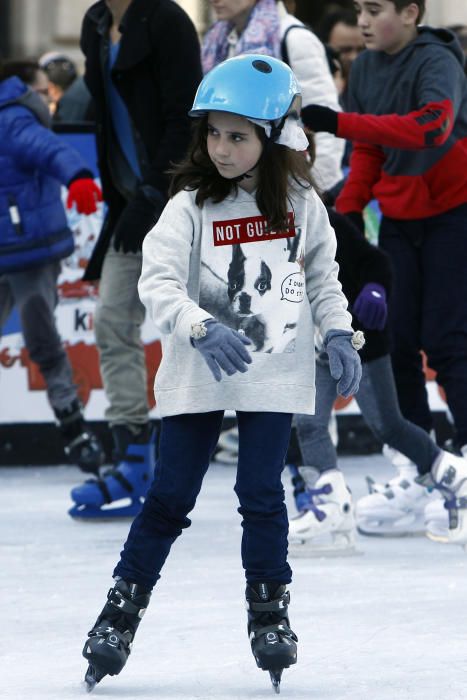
33,164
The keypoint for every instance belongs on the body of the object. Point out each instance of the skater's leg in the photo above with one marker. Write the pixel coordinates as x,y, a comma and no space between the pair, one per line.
263,443
402,241
186,445
118,320
35,294
444,325
313,435
326,523
377,400
399,507
185,448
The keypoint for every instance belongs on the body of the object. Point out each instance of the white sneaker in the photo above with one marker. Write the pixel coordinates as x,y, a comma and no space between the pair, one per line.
449,474
436,520
397,509
329,527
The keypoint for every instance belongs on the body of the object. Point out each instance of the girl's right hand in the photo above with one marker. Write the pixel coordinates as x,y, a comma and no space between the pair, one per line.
223,348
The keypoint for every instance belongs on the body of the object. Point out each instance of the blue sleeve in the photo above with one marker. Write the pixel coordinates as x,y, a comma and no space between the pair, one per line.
33,146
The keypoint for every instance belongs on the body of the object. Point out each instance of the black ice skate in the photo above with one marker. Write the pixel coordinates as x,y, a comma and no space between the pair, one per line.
109,644
81,446
272,641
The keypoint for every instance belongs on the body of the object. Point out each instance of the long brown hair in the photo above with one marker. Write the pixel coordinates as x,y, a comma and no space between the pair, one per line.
275,168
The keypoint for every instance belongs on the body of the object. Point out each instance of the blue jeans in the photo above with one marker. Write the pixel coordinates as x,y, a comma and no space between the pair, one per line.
187,443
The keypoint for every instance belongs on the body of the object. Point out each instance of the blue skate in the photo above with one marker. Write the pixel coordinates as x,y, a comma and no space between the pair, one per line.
99,499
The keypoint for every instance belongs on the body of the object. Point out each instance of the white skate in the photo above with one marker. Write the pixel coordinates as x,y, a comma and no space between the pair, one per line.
397,509
227,447
436,520
449,476
328,528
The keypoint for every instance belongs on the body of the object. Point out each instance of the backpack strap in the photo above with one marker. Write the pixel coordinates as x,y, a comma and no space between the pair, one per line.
284,51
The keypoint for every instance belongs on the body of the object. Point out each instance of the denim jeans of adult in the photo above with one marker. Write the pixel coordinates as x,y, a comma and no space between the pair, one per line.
186,445
377,400
118,320
34,293
428,311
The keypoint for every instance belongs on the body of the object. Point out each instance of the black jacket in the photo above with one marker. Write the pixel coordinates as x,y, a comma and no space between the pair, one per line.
157,72
360,262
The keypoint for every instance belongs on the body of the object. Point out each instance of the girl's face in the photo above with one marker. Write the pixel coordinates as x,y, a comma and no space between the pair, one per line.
382,27
234,147
232,10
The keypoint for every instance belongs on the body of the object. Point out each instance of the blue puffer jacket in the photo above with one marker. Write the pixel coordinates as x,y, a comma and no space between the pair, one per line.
33,164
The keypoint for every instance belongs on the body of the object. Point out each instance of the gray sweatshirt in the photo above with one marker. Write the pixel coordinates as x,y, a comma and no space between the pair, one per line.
221,261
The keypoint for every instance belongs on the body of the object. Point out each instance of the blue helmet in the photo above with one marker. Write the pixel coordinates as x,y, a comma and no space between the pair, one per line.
250,85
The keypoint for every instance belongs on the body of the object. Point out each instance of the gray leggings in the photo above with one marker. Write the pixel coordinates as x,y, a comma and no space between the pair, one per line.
377,400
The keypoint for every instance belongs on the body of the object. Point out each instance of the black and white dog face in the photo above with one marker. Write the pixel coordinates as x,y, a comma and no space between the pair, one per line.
249,281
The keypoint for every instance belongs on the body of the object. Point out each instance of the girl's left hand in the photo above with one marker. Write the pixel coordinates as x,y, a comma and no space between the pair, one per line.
344,362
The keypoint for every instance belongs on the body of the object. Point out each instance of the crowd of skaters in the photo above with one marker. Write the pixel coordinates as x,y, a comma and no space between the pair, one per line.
143,128
375,109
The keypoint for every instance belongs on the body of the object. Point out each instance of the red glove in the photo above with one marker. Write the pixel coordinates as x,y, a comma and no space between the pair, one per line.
84,193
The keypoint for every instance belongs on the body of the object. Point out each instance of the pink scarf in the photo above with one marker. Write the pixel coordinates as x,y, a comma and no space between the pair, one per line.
261,35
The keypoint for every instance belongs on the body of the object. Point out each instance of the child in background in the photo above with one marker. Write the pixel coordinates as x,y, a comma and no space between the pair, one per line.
237,273
34,237
326,521
408,124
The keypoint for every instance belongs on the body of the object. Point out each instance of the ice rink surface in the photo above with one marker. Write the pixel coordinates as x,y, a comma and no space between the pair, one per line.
389,624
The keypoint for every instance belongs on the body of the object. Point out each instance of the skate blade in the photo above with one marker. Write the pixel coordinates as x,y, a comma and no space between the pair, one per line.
335,544
389,533
437,537
276,680
92,678
311,550
93,513
444,539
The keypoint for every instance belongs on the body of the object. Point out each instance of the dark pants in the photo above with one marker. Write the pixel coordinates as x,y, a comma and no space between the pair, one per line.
428,311
186,445
34,293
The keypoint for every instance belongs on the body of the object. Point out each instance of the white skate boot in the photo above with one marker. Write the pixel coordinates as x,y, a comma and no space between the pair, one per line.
436,520
227,447
449,476
396,509
328,527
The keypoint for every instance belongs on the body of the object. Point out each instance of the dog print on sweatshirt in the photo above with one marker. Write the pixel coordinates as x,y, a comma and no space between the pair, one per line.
252,279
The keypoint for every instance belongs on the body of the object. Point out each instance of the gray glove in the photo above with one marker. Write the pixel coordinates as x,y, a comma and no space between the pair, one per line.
344,362
223,348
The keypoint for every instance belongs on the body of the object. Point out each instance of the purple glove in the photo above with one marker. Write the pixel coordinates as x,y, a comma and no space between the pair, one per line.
370,306
223,348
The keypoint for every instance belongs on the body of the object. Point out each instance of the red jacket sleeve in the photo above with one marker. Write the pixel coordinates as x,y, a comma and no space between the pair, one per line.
428,127
365,170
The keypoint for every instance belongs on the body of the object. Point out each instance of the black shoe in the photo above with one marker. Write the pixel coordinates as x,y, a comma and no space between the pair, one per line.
81,446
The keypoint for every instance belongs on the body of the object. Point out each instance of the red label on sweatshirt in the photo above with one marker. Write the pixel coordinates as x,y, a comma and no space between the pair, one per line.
249,230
